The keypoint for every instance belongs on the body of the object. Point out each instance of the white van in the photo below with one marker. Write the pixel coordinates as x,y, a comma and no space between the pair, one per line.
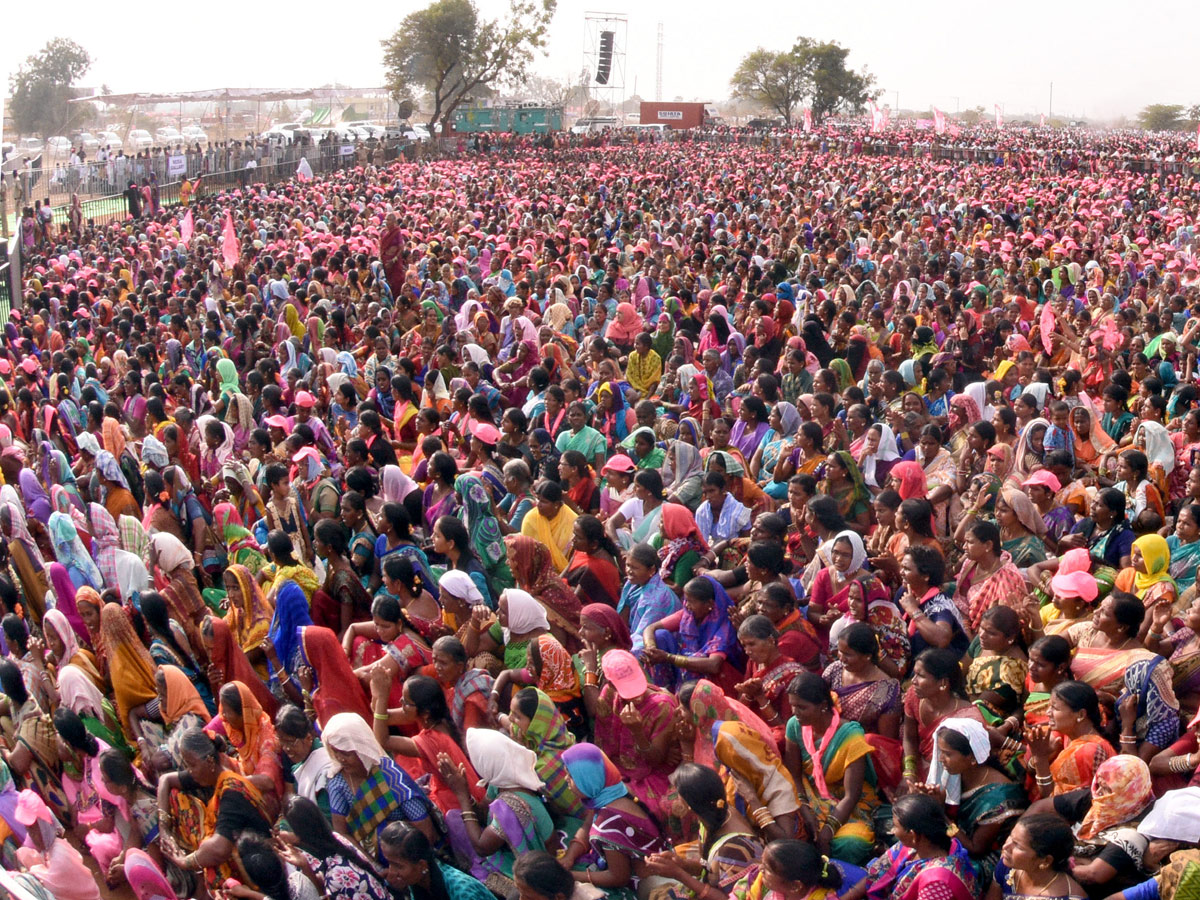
594,124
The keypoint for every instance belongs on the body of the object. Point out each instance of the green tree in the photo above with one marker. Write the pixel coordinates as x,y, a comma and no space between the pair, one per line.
1161,116
447,49
833,87
776,80
43,86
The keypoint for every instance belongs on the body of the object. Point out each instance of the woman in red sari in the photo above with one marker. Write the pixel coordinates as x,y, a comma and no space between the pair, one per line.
228,662
388,642
529,560
335,689
391,254
592,570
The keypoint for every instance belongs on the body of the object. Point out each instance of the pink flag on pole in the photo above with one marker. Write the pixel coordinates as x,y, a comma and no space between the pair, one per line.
186,228
939,121
229,243
999,116
808,120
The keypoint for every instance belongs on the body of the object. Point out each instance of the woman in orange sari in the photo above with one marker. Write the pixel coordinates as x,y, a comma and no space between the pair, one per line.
1074,712
249,615
1108,645
252,733
130,669
1091,441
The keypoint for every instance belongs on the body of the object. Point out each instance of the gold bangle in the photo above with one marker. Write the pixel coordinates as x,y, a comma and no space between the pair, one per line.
381,717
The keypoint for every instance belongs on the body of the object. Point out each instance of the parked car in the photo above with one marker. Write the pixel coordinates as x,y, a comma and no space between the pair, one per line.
58,147
29,146
139,139
278,136
168,136
88,141
371,129
110,139
194,134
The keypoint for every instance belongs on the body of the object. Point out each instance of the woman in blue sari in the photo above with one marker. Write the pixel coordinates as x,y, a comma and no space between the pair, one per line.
56,469
291,613
785,422
698,641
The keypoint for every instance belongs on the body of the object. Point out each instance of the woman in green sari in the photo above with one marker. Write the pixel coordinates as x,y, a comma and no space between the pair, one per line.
484,528
642,442
1021,528
844,483
240,544
964,773
515,820
831,760
535,722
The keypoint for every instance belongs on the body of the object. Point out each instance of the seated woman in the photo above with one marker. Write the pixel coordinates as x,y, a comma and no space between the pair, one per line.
933,619
248,616
1181,646
593,570
52,867
936,694
1147,708
697,641
84,788
529,561
227,662
621,833
133,811
344,872
1021,528
865,605
182,709
169,645
966,775
1108,847
830,592
1049,664
413,869
796,870
988,577
321,678
220,804
830,758
728,845
866,694
680,545
925,863
515,820
252,734
423,704
996,679
387,642
634,726
367,789
1036,861
467,690
1074,713
1108,645
535,722
531,654
768,673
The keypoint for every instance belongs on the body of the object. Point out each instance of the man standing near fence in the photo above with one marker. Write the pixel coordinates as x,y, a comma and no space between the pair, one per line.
133,200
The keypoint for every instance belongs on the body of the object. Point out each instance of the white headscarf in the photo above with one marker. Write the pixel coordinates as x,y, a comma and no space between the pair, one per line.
79,693
170,552
501,762
981,748
1159,448
1175,817
886,451
858,552
977,391
525,613
459,584
477,354
348,733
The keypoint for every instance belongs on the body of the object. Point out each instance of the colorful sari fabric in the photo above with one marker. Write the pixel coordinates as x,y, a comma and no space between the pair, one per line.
475,683
257,746
486,538
1121,790
240,544
714,635
1150,681
644,605
548,737
656,708
1004,587
409,655
755,771
1001,677
532,569
899,874
250,622
229,782
130,667
680,536
226,654
595,575
555,534
1102,667
337,689
991,804
826,758
1076,764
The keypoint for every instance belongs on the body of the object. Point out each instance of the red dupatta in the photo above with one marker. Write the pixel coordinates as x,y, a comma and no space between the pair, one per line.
337,689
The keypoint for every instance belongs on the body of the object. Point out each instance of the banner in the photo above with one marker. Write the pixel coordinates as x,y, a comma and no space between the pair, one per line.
999,117
939,121
176,165
808,120
878,120
346,150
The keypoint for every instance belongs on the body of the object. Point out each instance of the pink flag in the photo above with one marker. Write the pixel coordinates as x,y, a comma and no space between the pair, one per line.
229,243
1042,121
1046,326
999,117
939,121
185,229
808,120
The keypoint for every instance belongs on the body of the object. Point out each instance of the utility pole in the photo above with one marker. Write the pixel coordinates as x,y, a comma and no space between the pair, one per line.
659,65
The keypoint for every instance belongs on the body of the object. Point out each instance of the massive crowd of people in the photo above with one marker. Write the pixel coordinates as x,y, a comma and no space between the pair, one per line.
673,520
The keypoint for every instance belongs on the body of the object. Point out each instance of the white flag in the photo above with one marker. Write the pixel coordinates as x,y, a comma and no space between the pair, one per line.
999,117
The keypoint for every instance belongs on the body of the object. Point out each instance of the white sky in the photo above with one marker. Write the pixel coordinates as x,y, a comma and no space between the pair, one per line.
1105,59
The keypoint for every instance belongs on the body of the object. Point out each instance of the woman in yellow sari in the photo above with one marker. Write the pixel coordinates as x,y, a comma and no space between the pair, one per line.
131,671
552,522
249,615
1148,575
285,568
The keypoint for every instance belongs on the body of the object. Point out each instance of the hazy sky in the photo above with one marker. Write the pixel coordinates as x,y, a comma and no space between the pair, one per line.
1105,59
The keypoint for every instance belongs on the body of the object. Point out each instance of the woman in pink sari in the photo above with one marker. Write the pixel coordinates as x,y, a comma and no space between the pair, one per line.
925,863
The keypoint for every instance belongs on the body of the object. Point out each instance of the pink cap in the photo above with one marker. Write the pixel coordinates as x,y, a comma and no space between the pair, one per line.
304,452
1045,478
305,399
278,422
29,364
489,434
31,807
619,463
1077,560
623,673
1075,584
